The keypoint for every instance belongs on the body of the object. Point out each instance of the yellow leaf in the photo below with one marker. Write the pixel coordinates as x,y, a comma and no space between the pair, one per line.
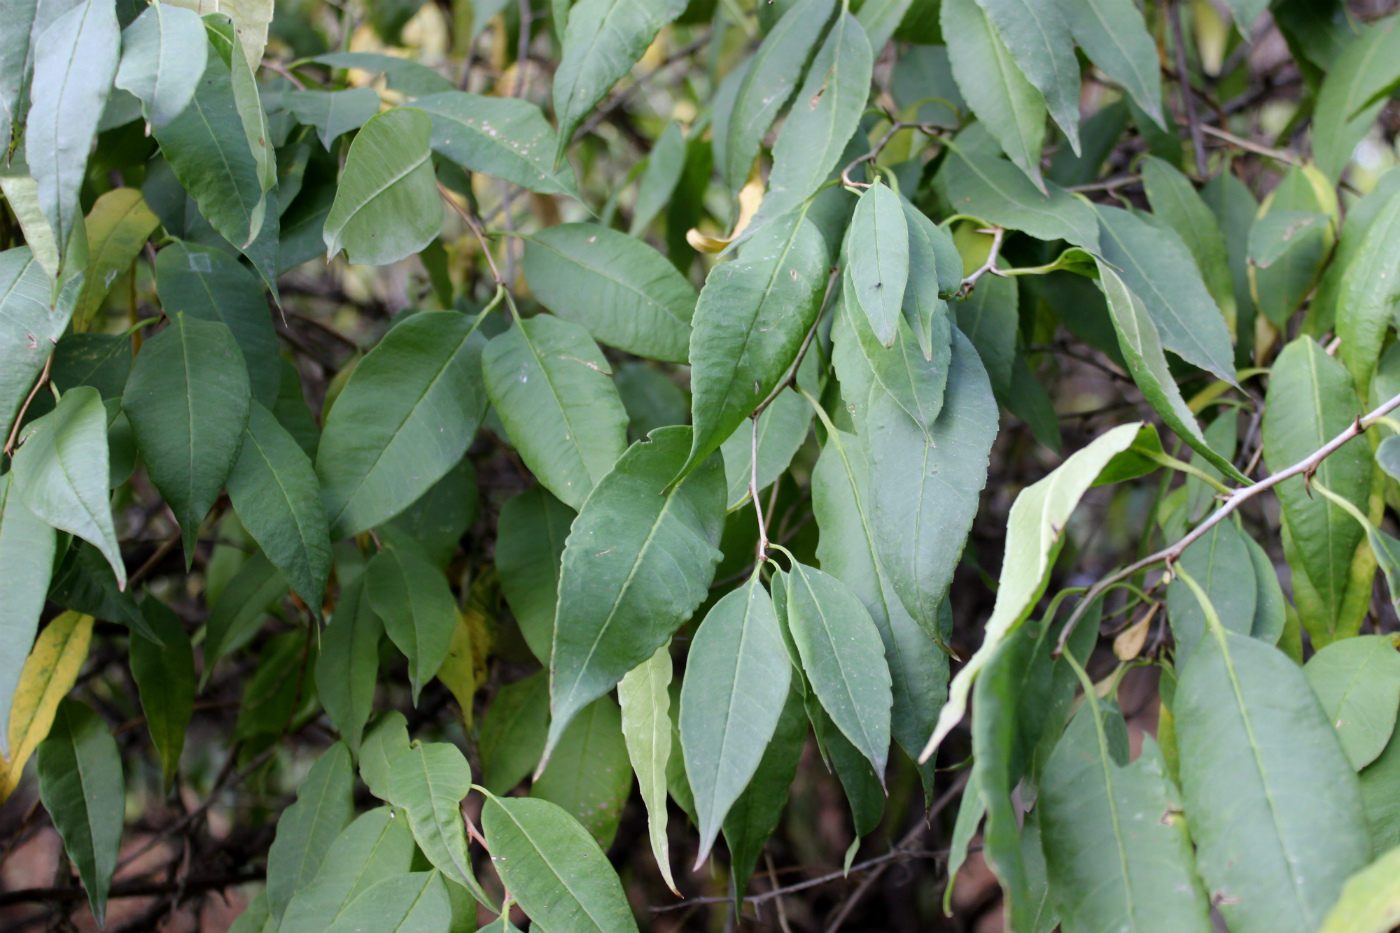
117,226
457,673
1129,642
749,198
48,675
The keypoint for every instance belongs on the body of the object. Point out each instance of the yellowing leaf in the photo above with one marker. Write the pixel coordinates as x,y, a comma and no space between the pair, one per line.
117,227
48,675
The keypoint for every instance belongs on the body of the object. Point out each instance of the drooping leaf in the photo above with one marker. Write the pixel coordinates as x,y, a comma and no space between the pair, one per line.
26,551
49,673
401,74
752,316
188,400
1220,561
417,901
638,560
1353,93
604,39
81,784
347,666
645,699
387,205
405,417
117,228
60,473
428,782
588,772
377,846
877,250
624,292
782,428
1253,739
306,829
1176,202
75,60
1357,681
1369,293
164,675
25,313
419,612
554,868
1113,35
499,136
333,113
513,731
737,676
239,610
385,740
988,318
533,527
163,56
553,390
1039,40
665,167
1287,250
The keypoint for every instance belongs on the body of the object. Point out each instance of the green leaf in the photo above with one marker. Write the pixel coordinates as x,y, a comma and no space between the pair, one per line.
1287,250
513,731
333,113
1253,741
638,561
924,488
824,115
385,740
164,675
859,780
499,136
1115,38
1358,682
554,868
843,658
1117,855
529,549
207,148
387,205
1155,264
27,552
414,600
209,285
935,273
880,19
624,292
437,520
404,419
753,314
737,676
61,473
1369,293
75,60
588,772
81,784
1310,401
552,388
1353,93
604,39
1033,539
877,251
1370,901
164,52
417,901
308,827
188,400
25,312
401,74
988,318
377,846
238,613
1176,202
1378,782
347,666
646,726
1234,207
1270,614
1147,363
428,782
974,181
117,228
664,168
14,66
1221,562
767,86
1359,219
225,40
1039,40
994,86
782,429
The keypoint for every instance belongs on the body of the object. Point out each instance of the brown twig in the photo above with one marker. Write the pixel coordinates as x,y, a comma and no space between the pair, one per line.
969,283
284,72
19,418
606,111
475,229
1183,75
1246,145
145,569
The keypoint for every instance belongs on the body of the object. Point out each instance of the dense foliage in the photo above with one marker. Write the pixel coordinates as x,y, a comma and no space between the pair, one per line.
422,419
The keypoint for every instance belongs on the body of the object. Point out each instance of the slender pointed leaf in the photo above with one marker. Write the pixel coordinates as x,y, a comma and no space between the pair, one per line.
26,551
347,666
533,527
429,782
376,847
419,613
646,726
588,773
164,675
308,827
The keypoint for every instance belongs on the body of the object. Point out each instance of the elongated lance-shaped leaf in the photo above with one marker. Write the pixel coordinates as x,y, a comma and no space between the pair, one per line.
164,675
188,400
404,418
638,560
604,39
752,317
25,313
117,228
416,604
308,827
553,390
1353,93
843,658
646,727
75,60
529,549
378,845
768,85
1000,95
1114,36
1039,40
81,784
1220,560
824,114
164,52
498,136
877,253
49,673
1175,201
924,487
1142,350
347,666
26,551
61,473
403,904
588,772
513,731
429,782
1370,290
624,292
1266,785
737,676
387,205
1033,538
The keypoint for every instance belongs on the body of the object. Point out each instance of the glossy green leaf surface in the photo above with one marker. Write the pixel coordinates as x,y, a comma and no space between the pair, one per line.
877,250
333,113
1038,38
417,901
428,782
1177,203
499,136
376,846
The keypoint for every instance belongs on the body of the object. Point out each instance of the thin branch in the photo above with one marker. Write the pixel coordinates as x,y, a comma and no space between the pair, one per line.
753,494
1108,184
475,229
1183,76
1237,142
145,569
1305,467
19,418
284,72
969,283
604,112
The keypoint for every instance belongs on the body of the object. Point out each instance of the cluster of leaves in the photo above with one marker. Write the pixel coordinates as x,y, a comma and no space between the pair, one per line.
894,207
